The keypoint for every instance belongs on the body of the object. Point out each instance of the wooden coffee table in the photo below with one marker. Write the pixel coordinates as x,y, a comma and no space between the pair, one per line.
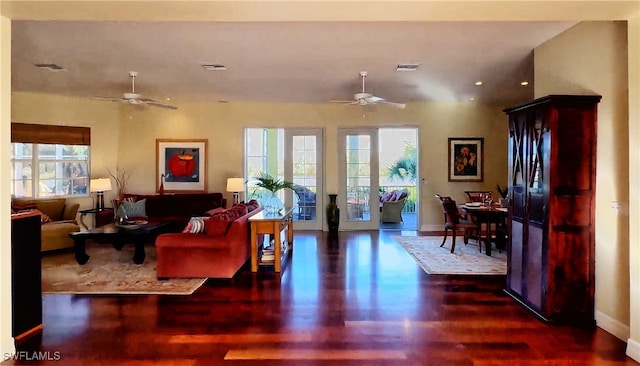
118,236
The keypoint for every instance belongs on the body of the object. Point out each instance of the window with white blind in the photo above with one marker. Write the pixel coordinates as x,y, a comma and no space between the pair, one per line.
49,161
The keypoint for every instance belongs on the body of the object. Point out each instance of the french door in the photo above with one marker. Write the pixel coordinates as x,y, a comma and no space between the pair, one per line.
358,178
303,166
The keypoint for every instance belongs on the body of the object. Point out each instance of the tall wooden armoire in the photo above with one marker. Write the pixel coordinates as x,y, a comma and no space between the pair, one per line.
552,177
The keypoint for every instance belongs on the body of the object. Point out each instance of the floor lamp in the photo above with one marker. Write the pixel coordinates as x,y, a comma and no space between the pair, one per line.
100,185
235,185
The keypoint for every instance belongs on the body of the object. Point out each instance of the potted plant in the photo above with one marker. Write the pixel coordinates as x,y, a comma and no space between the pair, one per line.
504,193
272,204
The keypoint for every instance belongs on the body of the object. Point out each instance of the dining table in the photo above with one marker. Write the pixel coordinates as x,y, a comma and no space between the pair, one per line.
488,214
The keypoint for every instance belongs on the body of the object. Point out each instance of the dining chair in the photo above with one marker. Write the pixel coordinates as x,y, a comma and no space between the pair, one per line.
454,222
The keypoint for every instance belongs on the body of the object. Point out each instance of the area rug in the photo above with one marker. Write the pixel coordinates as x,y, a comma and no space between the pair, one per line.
110,271
466,260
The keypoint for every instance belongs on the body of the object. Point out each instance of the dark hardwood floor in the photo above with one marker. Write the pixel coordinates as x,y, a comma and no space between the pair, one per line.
359,301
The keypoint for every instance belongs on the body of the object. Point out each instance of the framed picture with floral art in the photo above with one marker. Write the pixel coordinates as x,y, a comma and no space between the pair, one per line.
181,165
466,159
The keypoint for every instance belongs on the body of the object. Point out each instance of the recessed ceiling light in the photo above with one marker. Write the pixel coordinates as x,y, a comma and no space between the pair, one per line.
478,82
408,67
213,67
167,99
524,83
472,98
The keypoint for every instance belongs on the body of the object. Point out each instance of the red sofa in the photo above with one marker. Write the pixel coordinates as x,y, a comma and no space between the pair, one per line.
219,252
178,208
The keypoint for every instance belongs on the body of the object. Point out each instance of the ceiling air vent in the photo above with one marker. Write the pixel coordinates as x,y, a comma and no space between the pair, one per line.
214,67
50,67
407,67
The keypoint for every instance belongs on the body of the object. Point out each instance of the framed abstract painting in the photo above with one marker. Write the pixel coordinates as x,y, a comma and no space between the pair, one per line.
181,165
466,159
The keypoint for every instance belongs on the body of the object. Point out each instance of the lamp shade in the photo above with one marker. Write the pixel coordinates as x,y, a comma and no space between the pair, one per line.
100,185
235,185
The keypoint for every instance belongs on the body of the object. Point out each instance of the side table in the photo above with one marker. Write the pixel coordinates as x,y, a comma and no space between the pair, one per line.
99,218
261,223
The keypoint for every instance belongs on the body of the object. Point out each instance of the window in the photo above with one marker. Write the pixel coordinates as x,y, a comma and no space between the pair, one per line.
48,170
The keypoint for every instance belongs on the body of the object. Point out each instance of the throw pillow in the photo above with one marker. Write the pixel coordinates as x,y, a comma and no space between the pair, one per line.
44,218
217,225
132,209
195,225
252,205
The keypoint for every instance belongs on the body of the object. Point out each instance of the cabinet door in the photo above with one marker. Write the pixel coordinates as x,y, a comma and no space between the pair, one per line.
537,191
517,188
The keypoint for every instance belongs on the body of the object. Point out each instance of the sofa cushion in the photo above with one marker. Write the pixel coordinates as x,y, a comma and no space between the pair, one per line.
217,225
215,211
54,208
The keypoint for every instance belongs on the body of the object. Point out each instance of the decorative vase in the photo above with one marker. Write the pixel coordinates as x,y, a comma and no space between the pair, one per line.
333,214
161,189
271,202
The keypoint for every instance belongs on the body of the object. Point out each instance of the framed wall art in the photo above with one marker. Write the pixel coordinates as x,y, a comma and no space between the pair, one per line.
181,165
466,159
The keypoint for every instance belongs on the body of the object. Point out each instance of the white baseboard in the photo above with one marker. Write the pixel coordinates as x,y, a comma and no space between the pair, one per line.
432,228
7,347
613,326
633,349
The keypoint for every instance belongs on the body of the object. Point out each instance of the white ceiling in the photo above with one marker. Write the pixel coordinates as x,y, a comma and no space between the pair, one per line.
310,62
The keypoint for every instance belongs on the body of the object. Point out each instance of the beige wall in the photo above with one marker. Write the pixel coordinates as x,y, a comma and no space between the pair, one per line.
129,134
102,118
633,34
562,66
6,342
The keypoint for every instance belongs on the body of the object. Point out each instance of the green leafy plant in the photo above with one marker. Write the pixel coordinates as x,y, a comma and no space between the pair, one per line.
270,183
504,192
404,168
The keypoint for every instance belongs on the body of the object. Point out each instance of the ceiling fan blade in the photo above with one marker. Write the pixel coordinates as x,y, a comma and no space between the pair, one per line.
393,104
157,104
345,102
112,99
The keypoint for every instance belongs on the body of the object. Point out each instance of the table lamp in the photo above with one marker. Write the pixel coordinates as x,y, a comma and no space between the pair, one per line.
235,185
100,185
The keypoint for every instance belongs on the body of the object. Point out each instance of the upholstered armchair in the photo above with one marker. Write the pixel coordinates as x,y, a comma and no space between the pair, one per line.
306,202
392,204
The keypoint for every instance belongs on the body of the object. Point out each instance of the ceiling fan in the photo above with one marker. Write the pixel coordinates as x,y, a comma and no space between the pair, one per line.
365,98
134,98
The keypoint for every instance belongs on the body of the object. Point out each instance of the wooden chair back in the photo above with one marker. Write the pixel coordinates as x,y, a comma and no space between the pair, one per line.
451,213
478,196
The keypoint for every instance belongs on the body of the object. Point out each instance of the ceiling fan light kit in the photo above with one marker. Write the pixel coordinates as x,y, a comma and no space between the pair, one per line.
135,98
365,98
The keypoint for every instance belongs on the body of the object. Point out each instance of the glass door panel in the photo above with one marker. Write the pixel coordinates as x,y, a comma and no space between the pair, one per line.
358,179
303,166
